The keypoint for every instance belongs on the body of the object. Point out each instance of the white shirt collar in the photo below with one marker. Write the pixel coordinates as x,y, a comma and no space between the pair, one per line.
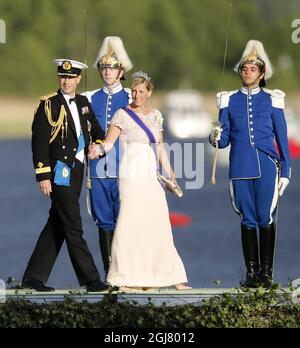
250,91
66,96
113,90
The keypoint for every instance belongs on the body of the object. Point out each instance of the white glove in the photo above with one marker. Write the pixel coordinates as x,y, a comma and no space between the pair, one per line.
283,182
215,134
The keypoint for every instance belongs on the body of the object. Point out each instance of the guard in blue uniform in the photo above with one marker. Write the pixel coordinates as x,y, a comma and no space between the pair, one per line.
111,63
251,120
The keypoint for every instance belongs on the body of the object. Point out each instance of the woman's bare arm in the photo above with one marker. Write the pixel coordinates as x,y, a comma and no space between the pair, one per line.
164,159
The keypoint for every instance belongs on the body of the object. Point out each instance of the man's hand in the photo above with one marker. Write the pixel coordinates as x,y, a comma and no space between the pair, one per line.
283,182
215,134
45,187
94,151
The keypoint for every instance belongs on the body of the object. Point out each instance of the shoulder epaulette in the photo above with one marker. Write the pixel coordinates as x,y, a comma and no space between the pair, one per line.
89,94
45,97
223,98
277,97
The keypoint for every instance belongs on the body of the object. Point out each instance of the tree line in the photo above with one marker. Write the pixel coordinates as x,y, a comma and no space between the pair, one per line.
180,43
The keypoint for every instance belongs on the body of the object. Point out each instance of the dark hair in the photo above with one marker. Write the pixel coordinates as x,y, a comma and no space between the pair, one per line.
262,82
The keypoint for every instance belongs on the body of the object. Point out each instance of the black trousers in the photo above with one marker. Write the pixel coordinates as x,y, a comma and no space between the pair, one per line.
64,223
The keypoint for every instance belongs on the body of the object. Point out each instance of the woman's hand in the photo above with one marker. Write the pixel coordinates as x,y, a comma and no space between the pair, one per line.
173,179
94,151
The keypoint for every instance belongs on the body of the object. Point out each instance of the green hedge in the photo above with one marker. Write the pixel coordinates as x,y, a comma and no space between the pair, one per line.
246,309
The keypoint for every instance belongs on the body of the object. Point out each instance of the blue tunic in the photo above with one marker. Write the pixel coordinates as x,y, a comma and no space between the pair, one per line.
104,172
105,103
252,119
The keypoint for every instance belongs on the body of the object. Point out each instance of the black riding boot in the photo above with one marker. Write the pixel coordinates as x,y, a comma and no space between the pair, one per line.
105,241
250,250
267,246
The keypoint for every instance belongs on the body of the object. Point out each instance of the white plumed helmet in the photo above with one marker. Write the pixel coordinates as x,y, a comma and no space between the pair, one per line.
254,53
112,54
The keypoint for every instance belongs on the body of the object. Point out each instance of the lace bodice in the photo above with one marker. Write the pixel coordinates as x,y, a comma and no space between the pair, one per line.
131,132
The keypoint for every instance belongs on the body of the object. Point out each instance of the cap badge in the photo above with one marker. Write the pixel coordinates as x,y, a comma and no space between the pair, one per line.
67,65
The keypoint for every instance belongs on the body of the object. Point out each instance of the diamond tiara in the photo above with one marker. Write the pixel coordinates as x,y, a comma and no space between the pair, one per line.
140,74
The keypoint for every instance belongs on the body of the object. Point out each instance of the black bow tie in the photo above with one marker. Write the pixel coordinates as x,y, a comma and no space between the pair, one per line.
71,100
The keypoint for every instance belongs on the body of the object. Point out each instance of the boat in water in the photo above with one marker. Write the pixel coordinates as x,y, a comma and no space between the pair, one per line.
185,114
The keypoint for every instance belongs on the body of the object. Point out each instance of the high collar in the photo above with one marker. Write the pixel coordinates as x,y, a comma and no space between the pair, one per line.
250,91
113,90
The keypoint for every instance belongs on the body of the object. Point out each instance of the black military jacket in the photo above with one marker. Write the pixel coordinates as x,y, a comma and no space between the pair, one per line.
64,145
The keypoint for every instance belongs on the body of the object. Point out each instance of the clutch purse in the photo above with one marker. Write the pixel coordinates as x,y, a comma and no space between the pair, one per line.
170,186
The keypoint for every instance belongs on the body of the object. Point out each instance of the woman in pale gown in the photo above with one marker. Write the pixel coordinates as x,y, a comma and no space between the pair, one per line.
143,251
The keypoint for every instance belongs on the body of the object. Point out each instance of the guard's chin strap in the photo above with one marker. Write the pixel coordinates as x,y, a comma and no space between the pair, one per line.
119,73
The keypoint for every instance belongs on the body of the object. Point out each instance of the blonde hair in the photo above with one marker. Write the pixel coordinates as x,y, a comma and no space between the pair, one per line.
140,80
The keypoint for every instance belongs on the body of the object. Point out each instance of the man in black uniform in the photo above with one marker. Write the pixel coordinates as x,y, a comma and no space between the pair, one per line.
63,126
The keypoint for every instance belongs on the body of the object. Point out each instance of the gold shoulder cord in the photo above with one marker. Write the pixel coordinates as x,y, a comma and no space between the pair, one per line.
61,122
